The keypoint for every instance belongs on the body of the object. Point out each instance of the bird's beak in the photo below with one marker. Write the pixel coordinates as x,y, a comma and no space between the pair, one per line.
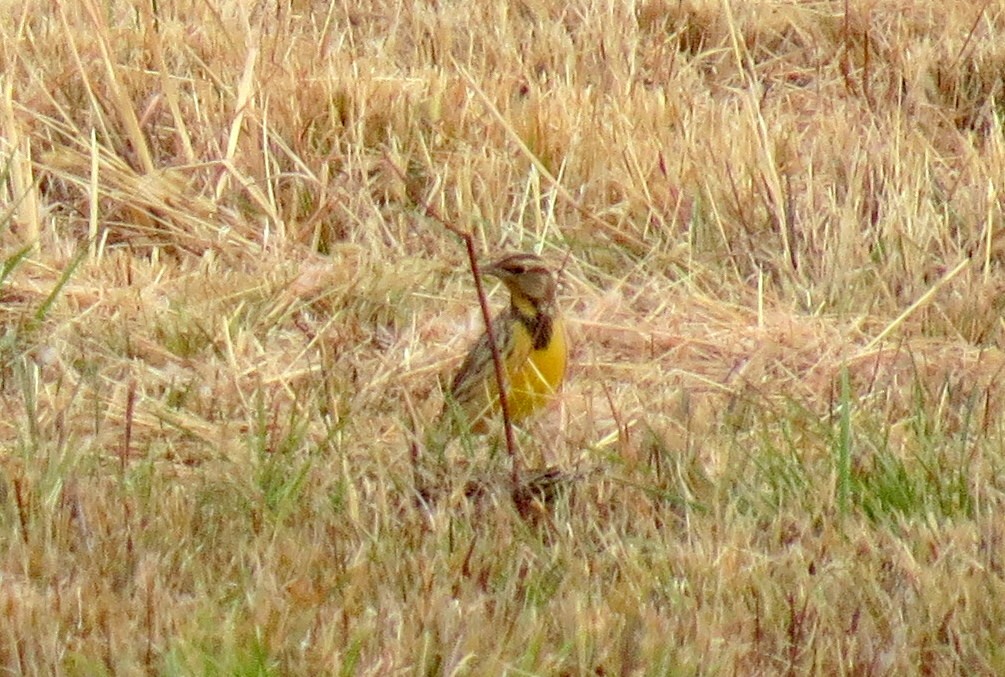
493,271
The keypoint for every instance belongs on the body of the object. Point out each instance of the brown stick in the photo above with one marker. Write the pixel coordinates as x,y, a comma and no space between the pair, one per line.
497,363
469,243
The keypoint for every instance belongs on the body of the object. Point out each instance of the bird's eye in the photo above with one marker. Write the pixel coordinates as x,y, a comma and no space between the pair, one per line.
518,270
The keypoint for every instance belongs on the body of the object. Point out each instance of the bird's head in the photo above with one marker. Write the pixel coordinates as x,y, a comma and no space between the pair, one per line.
527,276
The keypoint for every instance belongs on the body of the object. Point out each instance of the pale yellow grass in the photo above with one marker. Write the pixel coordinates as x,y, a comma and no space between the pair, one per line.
224,313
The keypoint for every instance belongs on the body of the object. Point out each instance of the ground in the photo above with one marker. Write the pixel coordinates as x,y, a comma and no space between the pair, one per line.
230,293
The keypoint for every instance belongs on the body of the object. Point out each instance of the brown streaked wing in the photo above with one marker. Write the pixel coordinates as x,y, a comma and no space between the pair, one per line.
467,389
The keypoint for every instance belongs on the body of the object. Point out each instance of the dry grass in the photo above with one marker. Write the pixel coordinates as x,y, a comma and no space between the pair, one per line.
221,309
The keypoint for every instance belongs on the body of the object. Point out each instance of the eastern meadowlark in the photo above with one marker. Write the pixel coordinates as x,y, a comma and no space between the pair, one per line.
532,343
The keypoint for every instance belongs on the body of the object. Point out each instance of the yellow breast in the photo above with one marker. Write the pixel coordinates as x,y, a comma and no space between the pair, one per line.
534,382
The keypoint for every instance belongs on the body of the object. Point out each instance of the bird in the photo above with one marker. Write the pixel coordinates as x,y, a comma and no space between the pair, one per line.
533,346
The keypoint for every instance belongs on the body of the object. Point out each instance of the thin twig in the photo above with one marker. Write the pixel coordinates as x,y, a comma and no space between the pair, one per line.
497,362
469,243
127,433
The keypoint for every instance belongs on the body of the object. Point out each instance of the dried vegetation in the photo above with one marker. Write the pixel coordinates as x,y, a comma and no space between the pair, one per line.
222,313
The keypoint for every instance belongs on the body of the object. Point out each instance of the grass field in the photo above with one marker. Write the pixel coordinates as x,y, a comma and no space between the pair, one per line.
225,311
